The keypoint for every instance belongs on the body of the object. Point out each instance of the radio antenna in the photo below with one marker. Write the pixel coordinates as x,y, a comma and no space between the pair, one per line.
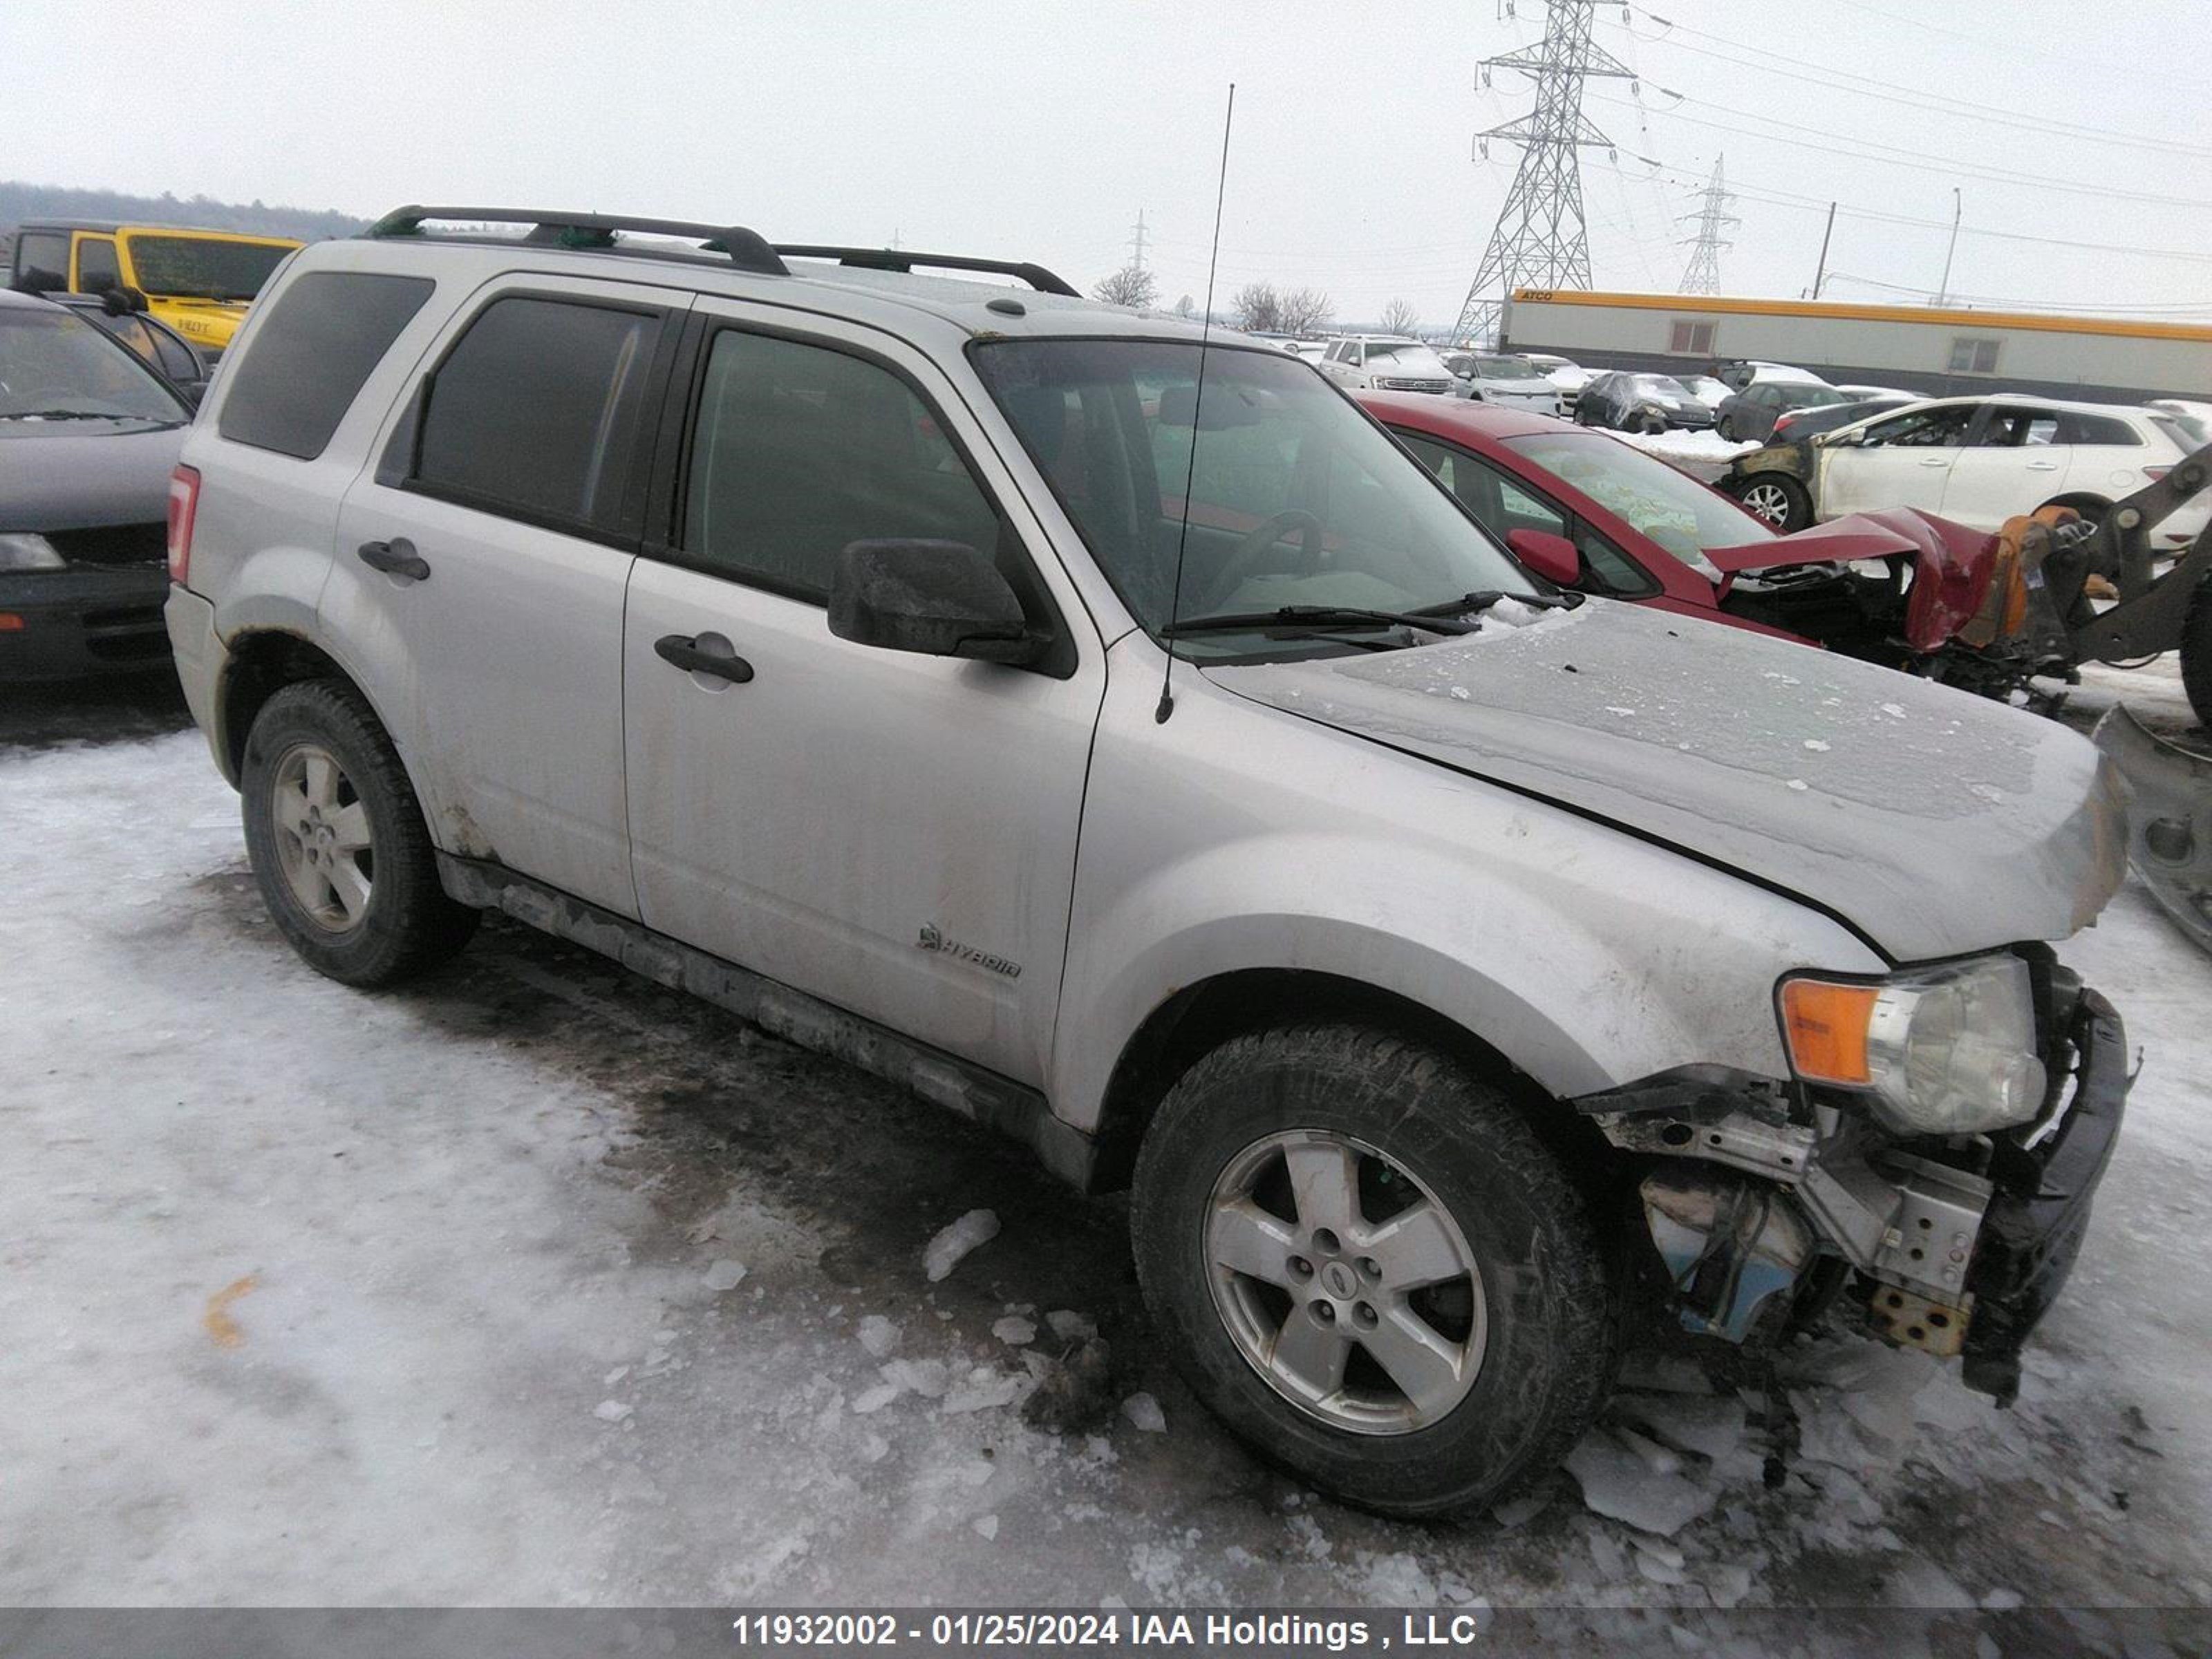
1197,419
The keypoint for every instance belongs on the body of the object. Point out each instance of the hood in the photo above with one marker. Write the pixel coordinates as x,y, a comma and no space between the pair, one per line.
83,475
1542,392
1933,822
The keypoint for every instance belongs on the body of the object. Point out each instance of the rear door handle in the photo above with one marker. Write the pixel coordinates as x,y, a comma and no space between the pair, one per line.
396,558
683,652
1935,460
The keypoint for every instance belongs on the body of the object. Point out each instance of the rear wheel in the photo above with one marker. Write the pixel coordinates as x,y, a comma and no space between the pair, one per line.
1367,1264
1778,499
336,839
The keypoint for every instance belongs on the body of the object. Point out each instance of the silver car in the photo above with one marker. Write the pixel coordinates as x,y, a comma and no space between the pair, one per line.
1126,744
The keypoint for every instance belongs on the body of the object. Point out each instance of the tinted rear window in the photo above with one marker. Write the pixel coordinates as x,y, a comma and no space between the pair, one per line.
310,354
536,412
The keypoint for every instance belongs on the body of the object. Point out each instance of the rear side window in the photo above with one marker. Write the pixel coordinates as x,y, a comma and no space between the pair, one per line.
310,354
96,270
2078,429
42,258
536,413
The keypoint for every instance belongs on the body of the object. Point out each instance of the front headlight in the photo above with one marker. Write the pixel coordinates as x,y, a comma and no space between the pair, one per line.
1942,1051
26,552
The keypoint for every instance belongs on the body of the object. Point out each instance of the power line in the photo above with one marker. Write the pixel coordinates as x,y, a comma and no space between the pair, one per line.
1911,97
1918,161
2134,73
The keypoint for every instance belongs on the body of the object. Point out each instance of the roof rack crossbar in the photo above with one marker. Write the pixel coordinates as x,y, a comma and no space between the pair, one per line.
748,249
899,259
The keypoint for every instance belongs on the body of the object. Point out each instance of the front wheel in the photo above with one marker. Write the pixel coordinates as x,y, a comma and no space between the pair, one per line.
1368,1265
1779,500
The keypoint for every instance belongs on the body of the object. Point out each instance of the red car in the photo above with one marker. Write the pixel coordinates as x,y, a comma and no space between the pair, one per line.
1592,513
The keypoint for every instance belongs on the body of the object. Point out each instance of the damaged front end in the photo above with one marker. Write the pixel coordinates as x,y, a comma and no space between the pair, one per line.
1760,1197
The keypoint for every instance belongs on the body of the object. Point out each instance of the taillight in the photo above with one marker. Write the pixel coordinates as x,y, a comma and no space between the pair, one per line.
1784,421
184,505
2156,472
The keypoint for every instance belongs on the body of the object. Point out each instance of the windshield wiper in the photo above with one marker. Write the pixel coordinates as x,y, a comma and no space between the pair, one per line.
1321,615
69,415
1468,605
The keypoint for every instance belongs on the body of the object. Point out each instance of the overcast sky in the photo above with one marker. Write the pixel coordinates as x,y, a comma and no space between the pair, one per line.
1038,129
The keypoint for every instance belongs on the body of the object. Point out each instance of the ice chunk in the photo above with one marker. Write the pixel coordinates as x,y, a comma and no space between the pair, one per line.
611,1410
944,1253
878,1335
725,1274
981,1390
1145,1412
1618,1484
874,1399
1015,1331
874,1448
1655,1457
1895,711
1657,1570
1799,783
1624,712
1708,1425
927,1376
1461,692
1816,745
2001,1600
1071,1326
1727,1583
986,1526
1519,1511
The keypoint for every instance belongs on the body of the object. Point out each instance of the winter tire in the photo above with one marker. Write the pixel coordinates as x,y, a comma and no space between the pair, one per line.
336,839
1779,500
1368,1265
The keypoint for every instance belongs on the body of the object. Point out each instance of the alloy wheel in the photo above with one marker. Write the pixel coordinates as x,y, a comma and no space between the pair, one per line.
324,847
1768,501
1344,1283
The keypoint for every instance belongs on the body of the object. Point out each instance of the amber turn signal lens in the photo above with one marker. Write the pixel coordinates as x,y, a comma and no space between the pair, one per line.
10,623
1826,1026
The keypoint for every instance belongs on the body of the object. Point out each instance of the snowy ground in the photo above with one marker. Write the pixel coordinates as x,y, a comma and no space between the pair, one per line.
312,1296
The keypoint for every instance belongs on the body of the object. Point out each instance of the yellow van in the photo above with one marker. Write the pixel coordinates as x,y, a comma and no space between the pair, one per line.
197,282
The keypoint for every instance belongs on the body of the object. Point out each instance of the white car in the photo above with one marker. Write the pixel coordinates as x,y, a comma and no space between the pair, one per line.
1512,382
1386,362
1308,351
1568,376
1979,461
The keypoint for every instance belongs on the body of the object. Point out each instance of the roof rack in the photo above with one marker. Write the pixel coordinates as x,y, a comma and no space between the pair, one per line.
747,249
899,259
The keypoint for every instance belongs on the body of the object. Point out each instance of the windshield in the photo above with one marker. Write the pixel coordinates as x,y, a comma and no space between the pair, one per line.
1660,386
1298,498
1505,369
201,268
1705,389
1671,508
55,364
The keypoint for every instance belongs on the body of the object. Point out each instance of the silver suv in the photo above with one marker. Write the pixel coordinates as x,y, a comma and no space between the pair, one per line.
1126,744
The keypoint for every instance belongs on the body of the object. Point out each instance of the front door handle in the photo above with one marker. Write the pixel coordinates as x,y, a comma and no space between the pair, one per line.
2043,466
683,652
396,558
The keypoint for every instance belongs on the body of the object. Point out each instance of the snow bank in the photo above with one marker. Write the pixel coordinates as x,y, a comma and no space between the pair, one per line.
951,1246
1686,448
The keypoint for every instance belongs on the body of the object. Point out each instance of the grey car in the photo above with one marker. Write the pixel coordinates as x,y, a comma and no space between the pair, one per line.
88,437
1186,786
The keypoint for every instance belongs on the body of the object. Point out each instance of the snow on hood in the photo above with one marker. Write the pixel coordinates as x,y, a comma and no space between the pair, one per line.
1937,822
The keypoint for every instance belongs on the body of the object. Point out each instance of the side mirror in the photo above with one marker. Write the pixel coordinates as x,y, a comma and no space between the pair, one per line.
1552,556
937,598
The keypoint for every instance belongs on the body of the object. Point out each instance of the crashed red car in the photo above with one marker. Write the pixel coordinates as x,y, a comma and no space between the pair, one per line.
1581,507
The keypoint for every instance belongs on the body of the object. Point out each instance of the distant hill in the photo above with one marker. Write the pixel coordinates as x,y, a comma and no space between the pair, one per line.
19,202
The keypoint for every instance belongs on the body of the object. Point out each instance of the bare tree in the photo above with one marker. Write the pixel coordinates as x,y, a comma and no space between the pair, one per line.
1304,309
1258,306
1399,316
1132,285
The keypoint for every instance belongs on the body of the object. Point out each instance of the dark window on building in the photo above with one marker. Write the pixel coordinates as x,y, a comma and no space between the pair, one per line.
42,258
96,270
1691,339
1972,356
536,413
308,357
800,450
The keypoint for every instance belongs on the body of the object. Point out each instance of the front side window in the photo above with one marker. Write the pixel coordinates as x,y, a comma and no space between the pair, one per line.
536,412
1293,497
57,366
203,267
800,450
1943,428
309,355
42,259
96,270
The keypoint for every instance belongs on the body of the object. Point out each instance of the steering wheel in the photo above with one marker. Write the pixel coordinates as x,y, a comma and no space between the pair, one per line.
1244,558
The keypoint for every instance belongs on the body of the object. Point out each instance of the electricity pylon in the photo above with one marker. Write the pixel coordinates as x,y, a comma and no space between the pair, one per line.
1703,274
1540,241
